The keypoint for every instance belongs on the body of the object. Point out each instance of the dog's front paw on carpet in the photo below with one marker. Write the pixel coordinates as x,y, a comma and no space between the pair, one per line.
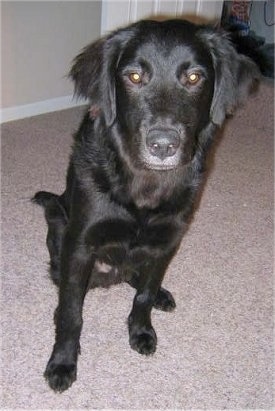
144,342
60,376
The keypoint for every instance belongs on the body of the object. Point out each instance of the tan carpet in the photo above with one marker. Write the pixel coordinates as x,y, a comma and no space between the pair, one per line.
215,351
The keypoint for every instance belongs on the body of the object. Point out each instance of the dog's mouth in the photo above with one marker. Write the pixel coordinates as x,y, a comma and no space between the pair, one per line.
160,167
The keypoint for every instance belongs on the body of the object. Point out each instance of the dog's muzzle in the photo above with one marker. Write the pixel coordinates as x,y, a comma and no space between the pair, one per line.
162,148
162,143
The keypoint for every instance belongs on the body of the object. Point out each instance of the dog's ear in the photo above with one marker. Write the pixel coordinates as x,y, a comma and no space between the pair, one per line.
93,72
235,75
86,70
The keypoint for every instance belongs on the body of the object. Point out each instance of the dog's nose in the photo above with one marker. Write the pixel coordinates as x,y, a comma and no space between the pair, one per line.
163,143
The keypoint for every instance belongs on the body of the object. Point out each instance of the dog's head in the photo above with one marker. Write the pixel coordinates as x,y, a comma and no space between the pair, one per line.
159,84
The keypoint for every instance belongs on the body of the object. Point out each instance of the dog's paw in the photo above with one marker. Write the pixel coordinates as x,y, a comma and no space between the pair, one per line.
164,300
60,376
144,342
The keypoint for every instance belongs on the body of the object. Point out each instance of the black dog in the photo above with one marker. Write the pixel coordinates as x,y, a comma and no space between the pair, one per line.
158,92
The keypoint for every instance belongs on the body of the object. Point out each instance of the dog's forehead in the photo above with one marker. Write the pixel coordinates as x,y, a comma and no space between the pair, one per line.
172,50
172,41
168,50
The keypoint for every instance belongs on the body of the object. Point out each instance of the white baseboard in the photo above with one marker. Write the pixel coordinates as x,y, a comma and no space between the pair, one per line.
40,107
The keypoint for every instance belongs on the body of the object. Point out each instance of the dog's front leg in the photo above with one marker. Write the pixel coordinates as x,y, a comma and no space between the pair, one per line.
142,335
75,271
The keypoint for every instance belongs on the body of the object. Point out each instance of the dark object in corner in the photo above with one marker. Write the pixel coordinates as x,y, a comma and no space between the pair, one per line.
255,48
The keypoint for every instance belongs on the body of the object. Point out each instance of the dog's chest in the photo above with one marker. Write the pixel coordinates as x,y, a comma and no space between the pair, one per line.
122,248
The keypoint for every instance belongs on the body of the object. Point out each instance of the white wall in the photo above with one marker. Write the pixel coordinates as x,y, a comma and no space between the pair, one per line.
38,42
121,12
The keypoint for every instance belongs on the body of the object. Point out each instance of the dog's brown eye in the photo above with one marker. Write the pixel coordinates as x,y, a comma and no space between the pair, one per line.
193,78
135,78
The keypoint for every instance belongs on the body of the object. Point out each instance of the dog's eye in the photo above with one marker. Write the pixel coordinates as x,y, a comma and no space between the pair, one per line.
135,78
193,78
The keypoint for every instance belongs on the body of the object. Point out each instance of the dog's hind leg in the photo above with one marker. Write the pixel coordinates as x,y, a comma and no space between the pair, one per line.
164,300
57,219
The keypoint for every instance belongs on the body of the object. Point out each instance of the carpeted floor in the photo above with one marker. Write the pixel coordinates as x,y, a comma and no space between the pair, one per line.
215,351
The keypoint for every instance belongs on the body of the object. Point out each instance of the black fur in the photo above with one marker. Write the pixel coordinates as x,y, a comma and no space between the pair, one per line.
135,168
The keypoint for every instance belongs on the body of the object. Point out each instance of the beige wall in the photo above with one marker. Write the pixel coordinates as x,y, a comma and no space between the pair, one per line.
38,42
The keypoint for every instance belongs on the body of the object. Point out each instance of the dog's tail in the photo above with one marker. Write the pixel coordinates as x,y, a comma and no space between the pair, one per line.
44,198
254,48
54,206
